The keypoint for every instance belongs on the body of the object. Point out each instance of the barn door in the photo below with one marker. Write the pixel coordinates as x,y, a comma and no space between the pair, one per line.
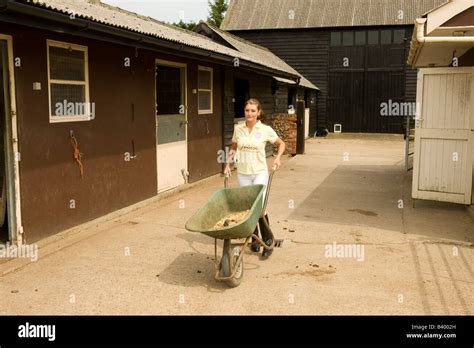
444,135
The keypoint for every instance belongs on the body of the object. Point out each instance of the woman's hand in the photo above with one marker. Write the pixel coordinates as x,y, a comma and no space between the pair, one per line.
227,169
276,163
281,149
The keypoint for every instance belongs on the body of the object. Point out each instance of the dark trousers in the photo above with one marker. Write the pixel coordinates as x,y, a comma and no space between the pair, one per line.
265,230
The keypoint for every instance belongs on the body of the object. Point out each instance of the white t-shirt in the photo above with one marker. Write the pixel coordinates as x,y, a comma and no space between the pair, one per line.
250,157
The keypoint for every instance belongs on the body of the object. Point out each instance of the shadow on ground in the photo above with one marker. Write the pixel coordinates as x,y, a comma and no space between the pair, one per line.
380,197
193,269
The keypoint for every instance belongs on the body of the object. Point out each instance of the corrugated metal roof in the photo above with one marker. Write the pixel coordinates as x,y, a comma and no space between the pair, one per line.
306,83
284,14
303,82
119,18
254,50
282,80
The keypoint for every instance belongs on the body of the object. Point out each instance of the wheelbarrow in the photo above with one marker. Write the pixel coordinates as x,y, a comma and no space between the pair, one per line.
230,268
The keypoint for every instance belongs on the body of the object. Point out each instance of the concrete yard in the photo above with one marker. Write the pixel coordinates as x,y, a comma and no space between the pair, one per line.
346,190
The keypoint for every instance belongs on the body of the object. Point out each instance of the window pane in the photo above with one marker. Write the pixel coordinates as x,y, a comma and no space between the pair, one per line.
348,38
398,36
64,99
373,37
171,128
360,38
386,37
204,100
204,78
335,38
66,64
168,90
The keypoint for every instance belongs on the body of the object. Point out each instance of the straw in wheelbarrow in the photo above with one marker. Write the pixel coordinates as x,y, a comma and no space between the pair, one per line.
232,219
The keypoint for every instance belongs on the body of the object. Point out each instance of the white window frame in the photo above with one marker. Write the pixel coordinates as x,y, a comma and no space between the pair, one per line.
207,111
72,118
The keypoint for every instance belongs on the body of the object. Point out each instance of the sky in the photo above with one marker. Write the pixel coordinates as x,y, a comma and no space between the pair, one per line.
165,10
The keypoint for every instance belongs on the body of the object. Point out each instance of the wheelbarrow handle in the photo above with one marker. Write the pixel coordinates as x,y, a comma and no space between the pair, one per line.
226,180
267,192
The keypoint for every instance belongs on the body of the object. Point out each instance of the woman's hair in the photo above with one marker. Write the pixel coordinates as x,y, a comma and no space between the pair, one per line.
255,102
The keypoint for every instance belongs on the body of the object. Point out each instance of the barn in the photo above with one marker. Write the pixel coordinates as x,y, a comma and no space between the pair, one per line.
355,51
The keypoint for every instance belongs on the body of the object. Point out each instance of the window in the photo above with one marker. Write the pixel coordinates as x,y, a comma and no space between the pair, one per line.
68,83
360,38
398,36
170,90
386,37
335,38
373,37
348,38
204,90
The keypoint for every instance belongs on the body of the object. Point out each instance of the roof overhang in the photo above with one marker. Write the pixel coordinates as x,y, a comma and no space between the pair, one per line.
39,17
434,45
303,82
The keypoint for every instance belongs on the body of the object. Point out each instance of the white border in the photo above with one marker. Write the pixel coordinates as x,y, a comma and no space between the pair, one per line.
12,163
207,111
58,119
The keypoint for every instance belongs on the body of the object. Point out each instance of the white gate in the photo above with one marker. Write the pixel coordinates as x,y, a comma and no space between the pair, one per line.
443,167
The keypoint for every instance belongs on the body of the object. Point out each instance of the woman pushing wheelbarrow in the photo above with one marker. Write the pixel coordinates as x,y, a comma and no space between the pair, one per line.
250,140
239,212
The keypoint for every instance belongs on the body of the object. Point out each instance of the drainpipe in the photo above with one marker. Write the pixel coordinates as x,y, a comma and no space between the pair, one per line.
421,38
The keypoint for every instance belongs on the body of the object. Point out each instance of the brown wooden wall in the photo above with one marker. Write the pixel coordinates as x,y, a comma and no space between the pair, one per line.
205,130
371,68
467,59
260,87
306,50
48,175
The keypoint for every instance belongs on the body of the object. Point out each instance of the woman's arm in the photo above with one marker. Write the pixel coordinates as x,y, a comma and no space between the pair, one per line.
281,149
230,157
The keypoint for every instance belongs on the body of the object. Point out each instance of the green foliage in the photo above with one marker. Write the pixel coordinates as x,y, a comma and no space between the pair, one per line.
217,9
189,26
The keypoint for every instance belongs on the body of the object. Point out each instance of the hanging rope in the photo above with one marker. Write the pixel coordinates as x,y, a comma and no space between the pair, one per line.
77,154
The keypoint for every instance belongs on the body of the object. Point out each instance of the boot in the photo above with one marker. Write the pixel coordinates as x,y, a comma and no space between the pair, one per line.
255,246
267,235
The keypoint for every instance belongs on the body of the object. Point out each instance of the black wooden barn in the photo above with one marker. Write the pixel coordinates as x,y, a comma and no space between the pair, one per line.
355,51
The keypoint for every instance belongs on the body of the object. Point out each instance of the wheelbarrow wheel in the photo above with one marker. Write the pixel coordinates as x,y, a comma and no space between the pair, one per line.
229,258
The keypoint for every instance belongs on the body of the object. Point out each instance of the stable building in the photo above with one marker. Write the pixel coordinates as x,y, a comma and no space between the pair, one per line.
103,108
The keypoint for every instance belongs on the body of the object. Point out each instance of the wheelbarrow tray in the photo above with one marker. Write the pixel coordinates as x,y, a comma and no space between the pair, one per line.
224,202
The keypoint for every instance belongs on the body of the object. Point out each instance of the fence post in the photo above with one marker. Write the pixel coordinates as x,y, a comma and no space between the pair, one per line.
300,108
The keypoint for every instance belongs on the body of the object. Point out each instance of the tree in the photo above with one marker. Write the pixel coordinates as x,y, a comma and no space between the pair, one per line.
217,9
189,26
